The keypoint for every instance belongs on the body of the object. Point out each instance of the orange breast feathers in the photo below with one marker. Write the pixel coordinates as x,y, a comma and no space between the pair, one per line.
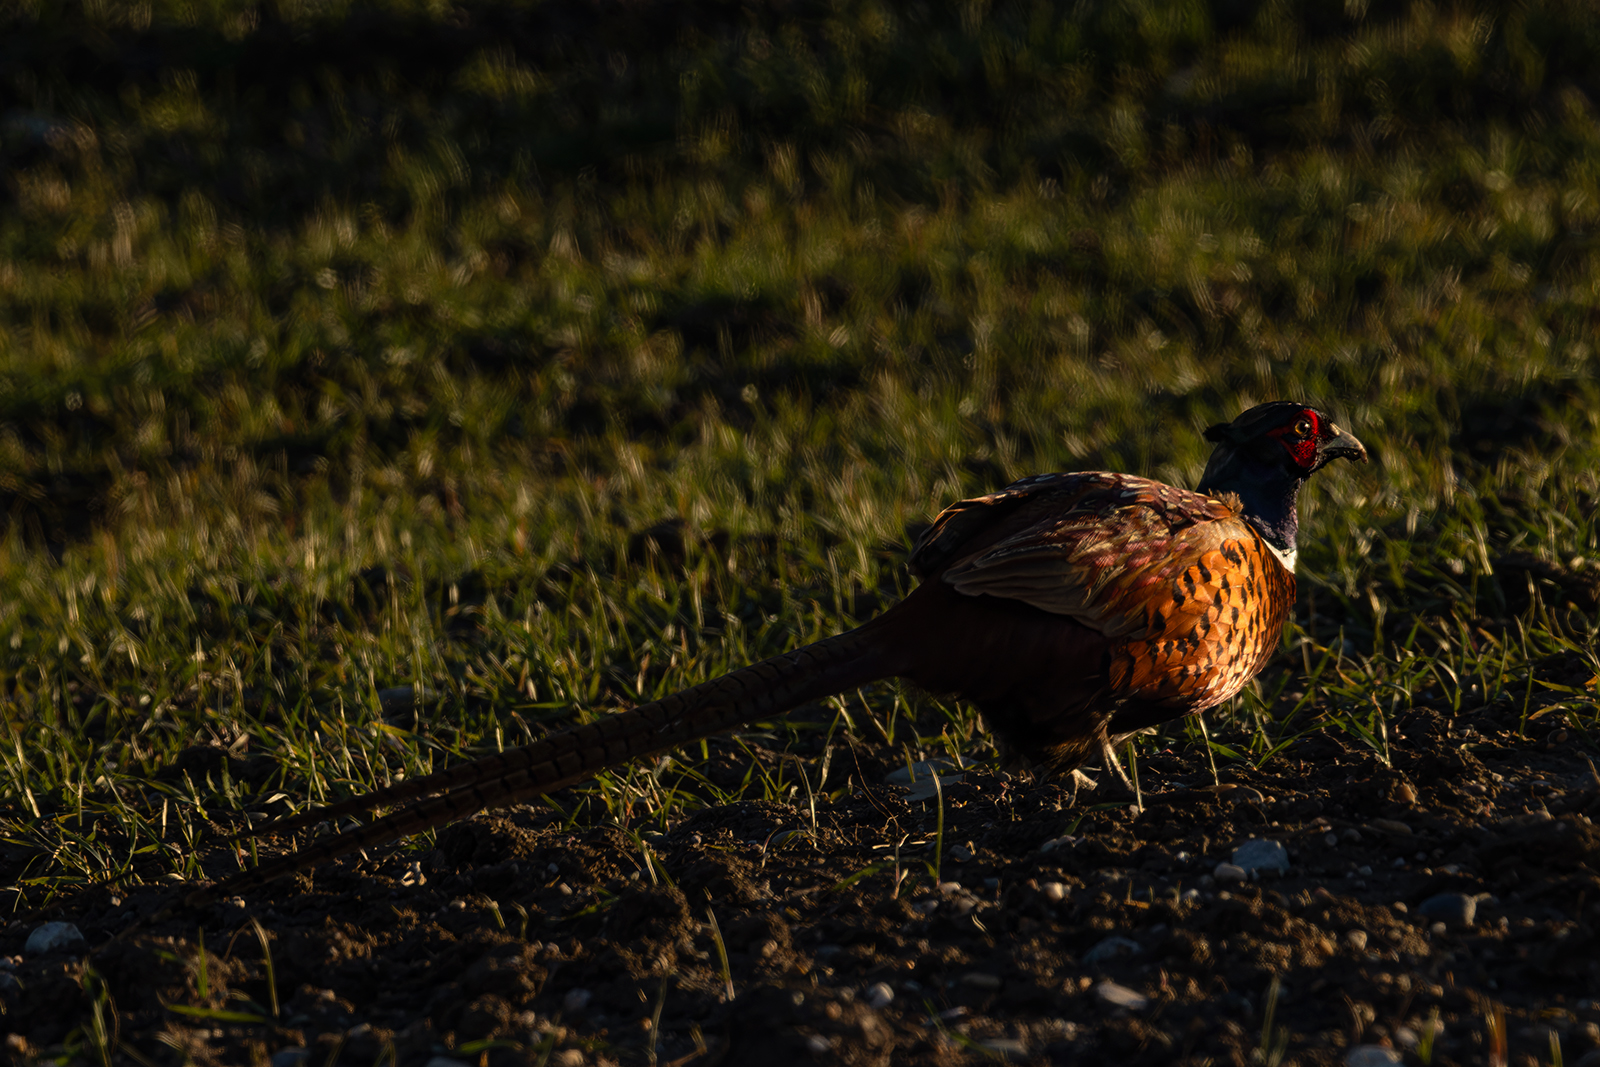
1190,592
1226,615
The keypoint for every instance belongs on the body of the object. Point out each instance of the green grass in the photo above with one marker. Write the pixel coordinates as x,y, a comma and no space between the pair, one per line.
547,358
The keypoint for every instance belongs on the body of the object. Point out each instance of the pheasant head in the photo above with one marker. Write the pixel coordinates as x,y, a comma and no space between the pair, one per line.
1265,454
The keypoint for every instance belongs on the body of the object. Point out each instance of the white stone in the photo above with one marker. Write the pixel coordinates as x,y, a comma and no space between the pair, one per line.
1262,854
1121,996
53,937
879,995
919,777
1454,909
1229,872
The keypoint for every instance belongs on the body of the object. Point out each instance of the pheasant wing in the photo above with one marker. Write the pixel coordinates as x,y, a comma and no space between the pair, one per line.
1124,556
956,529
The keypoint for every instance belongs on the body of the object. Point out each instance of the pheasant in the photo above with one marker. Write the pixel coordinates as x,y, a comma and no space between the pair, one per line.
1071,609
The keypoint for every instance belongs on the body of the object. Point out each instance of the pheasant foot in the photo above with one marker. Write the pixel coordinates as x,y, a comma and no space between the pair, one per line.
1114,766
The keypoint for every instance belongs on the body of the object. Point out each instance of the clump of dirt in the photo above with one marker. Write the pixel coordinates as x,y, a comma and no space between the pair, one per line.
1440,904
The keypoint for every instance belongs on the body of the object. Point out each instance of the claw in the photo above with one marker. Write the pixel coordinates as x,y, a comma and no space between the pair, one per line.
1113,765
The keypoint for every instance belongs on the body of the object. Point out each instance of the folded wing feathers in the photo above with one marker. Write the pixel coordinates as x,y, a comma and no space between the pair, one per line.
1121,535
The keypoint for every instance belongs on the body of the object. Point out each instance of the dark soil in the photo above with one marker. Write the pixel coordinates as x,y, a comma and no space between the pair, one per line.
517,941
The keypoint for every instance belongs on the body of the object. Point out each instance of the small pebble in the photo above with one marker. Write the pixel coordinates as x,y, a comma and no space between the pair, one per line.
1331,839
1121,996
1405,794
575,1000
1455,909
979,980
1391,826
1054,892
292,1056
879,995
1371,1056
818,1045
53,937
1357,939
1111,948
1352,836
1229,872
1261,854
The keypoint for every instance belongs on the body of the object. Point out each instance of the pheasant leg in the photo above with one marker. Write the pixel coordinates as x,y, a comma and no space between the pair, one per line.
1114,766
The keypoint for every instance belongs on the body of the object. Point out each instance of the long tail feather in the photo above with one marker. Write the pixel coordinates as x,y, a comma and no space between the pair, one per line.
769,687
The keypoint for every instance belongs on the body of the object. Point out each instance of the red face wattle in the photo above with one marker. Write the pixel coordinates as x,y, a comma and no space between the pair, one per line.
1299,438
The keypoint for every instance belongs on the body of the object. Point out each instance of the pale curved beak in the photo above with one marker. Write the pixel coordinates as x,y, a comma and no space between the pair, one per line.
1339,444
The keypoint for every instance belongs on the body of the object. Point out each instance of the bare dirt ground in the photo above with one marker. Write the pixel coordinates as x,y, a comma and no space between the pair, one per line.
1441,907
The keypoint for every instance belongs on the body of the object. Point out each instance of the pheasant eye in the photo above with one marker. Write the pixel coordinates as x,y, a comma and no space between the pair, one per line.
1303,427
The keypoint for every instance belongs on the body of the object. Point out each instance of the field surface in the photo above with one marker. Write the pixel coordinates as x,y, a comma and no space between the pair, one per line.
387,384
